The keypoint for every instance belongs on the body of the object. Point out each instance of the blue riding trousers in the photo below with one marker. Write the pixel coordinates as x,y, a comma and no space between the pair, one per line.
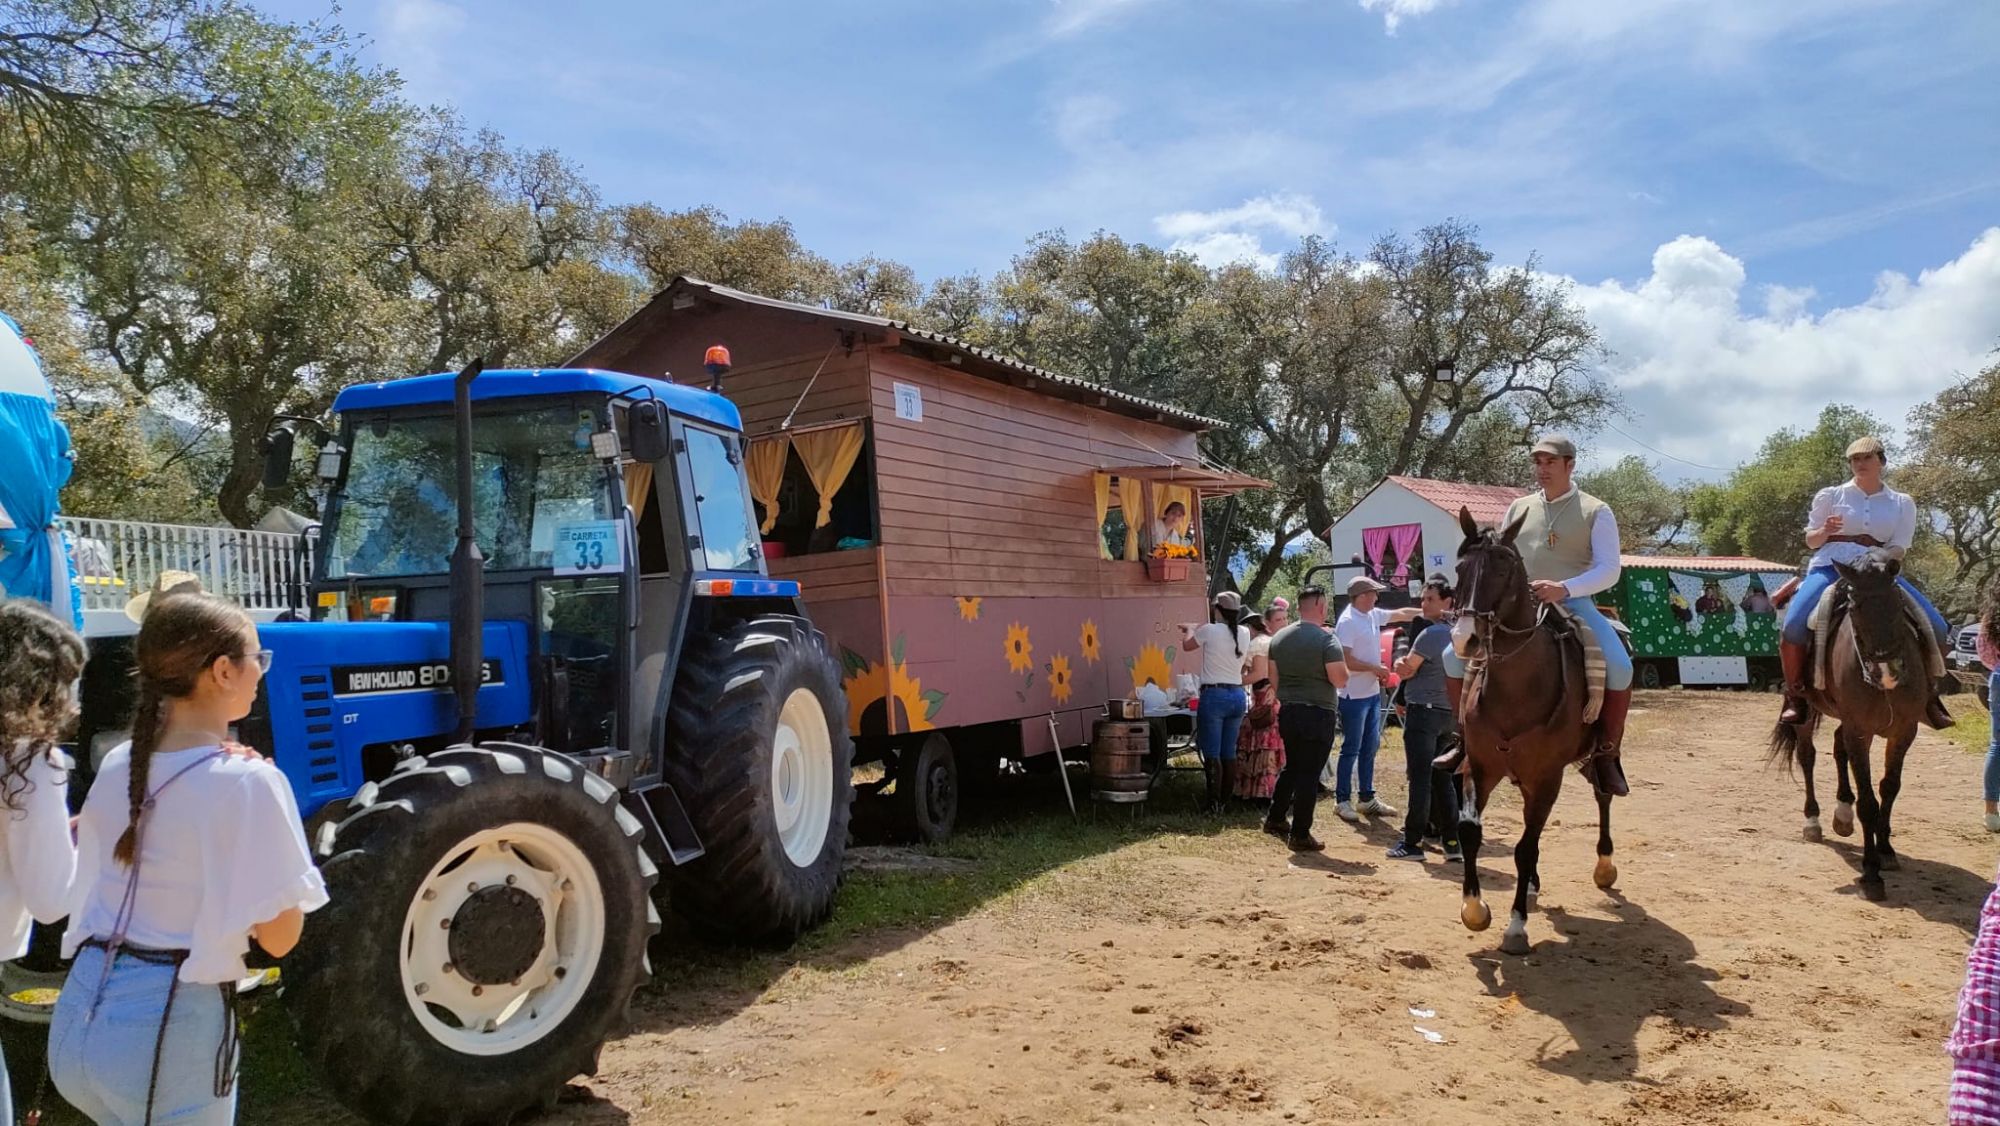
1617,662
1798,628
1218,720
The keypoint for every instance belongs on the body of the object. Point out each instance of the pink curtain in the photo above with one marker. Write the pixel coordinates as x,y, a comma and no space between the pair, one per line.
1403,540
1374,549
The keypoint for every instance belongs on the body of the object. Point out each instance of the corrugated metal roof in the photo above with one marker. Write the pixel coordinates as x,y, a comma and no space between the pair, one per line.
1081,388
1704,563
1487,503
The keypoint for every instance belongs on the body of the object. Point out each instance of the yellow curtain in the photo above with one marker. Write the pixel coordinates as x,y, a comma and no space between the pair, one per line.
638,486
766,467
1168,494
1103,483
829,456
1133,502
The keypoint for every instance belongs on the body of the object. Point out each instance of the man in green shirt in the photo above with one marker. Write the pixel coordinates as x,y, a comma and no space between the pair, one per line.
1310,670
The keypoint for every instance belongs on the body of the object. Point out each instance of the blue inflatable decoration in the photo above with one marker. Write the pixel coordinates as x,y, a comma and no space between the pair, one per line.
35,447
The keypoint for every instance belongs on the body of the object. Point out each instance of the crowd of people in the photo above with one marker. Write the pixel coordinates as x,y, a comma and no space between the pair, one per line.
188,853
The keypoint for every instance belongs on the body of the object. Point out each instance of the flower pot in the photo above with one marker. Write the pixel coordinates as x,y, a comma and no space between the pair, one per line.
1167,570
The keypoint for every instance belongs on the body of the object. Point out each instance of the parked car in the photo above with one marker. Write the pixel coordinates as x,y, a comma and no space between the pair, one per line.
1965,649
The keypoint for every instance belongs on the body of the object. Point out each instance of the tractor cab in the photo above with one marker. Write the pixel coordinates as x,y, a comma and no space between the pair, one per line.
610,511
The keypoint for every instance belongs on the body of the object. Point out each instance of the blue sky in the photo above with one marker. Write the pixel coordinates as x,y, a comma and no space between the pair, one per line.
1769,200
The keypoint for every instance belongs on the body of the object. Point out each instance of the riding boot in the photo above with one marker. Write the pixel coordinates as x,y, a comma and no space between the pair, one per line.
1228,786
1934,712
1793,658
1454,752
1604,770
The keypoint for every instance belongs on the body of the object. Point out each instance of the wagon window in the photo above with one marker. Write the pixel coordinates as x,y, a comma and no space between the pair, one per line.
786,473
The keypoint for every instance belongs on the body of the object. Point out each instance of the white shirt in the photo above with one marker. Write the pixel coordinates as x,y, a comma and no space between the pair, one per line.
1889,516
1602,574
223,850
37,860
1361,633
1221,661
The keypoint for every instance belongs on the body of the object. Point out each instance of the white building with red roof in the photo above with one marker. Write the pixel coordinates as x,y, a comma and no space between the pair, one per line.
1407,527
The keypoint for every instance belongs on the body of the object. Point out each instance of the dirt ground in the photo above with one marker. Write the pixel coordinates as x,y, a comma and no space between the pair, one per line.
1734,976
1179,969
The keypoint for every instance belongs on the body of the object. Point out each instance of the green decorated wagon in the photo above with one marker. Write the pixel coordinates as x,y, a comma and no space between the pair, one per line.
1700,620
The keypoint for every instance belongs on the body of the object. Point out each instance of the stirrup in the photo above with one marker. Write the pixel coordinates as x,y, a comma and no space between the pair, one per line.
1450,759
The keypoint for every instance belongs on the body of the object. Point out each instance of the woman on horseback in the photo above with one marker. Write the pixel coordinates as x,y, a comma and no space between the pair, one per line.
1847,521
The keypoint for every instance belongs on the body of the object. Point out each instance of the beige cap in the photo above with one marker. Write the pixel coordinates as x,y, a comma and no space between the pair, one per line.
1868,445
1229,600
1556,444
167,582
1362,584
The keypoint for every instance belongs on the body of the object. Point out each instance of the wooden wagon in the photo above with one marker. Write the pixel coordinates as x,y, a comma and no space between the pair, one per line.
976,535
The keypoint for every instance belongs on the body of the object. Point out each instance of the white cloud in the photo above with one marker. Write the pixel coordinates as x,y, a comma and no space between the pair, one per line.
1236,234
1707,381
1074,16
1394,12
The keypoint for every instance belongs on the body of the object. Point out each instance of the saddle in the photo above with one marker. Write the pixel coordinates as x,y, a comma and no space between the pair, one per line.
1826,618
1566,628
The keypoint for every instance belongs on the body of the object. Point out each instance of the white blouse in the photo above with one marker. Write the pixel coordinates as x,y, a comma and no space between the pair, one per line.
223,850
1889,516
37,860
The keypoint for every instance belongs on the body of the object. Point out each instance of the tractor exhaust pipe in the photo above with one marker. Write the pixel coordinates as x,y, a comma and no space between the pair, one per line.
468,568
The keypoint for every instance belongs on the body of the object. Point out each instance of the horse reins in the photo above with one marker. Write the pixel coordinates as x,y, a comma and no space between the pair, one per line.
1490,620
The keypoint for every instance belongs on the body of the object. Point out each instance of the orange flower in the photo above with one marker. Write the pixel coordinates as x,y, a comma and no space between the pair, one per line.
1089,641
1020,651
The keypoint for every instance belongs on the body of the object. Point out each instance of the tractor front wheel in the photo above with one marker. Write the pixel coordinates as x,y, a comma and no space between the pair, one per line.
488,918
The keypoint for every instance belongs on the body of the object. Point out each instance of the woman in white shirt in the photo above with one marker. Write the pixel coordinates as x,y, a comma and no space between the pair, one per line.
1224,645
187,853
1848,521
40,661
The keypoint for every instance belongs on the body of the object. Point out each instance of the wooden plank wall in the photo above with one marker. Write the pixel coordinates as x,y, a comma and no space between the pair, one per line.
765,393
829,576
993,491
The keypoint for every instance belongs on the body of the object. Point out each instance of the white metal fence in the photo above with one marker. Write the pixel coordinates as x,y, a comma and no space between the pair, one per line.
116,559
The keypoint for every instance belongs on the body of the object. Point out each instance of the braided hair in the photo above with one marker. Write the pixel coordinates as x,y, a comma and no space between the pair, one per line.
182,637
40,660
1234,620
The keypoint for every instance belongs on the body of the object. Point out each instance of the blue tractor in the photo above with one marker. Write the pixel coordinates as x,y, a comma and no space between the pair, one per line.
543,664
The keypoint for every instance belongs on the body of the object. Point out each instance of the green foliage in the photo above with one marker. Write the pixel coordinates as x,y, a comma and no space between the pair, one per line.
1954,471
1760,510
1651,513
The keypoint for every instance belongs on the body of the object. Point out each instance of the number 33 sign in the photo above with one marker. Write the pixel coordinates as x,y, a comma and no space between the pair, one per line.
590,548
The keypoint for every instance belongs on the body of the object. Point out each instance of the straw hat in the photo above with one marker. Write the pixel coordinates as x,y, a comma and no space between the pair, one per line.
167,582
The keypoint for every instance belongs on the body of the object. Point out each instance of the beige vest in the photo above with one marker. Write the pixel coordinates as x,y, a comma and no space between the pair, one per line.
1567,522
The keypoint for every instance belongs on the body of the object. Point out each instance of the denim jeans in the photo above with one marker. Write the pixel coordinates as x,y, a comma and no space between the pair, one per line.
1617,662
104,1064
1360,738
1308,732
1431,790
1218,719
1993,747
1798,630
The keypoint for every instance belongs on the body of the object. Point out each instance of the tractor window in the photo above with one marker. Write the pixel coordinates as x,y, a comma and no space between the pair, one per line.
722,504
533,471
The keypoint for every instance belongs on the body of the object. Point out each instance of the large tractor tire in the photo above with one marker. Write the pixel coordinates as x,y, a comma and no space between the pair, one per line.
758,750
487,926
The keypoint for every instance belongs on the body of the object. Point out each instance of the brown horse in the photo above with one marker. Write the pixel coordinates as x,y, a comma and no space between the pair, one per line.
1878,685
1521,716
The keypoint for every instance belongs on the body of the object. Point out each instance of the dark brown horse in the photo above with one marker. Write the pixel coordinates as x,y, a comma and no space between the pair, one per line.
1878,682
1521,714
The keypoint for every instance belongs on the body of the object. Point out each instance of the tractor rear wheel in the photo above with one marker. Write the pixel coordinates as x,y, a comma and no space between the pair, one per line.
487,926
759,752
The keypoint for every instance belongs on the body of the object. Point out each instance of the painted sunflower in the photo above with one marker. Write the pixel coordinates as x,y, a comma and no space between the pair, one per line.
968,608
1060,686
1092,648
1020,651
1153,663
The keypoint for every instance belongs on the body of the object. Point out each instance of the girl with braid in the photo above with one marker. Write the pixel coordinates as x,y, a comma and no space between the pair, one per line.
187,853
40,661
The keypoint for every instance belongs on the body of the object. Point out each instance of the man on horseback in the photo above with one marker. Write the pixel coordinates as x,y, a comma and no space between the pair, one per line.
1569,543
1846,522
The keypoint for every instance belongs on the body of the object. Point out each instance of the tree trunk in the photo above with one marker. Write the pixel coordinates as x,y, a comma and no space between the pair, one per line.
237,499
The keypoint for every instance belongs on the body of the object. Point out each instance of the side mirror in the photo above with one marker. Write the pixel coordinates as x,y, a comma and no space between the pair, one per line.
646,425
278,458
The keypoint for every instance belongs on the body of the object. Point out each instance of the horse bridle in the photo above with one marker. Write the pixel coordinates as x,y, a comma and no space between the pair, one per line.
1487,622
